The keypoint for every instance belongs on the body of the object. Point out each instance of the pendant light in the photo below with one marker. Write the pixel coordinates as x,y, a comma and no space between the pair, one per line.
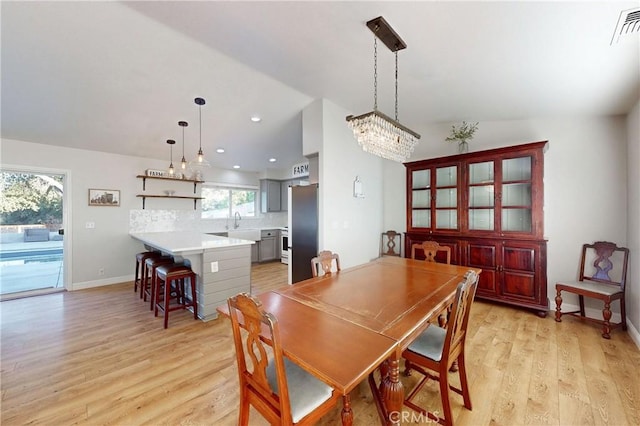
171,142
200,102
183,162
198,164
375,132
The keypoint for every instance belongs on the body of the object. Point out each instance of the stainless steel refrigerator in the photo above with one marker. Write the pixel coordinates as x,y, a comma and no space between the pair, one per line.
303,231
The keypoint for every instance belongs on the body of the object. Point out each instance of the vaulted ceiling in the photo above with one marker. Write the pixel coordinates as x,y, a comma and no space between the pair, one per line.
118,76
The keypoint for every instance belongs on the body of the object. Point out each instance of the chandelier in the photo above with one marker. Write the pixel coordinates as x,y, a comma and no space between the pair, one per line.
375,132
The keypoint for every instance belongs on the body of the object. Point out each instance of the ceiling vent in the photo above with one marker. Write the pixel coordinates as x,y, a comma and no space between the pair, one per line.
628,23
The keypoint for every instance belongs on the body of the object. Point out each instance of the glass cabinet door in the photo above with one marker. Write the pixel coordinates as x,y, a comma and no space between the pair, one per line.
446,207
516,195
482,196
421,198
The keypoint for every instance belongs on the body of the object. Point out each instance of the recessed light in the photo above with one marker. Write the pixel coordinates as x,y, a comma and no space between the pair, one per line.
236,167
272,160
220,150
256,119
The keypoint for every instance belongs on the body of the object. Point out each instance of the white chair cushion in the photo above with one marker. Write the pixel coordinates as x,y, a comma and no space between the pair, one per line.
593,286
430,343
305,391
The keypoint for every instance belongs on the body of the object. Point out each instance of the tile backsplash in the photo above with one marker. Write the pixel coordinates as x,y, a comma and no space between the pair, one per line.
189,220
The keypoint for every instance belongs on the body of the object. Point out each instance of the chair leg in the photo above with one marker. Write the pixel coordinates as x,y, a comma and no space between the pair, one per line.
243,416
444,396
135,277
464,385
167,300
558,304
606,325
624,314
581,298
194,300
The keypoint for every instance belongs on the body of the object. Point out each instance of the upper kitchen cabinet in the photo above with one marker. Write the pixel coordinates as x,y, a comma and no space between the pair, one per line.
487,207
270,196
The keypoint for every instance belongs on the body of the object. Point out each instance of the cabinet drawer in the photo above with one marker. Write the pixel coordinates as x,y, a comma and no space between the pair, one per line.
267,233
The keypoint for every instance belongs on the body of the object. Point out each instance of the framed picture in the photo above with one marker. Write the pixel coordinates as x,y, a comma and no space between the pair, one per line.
104,197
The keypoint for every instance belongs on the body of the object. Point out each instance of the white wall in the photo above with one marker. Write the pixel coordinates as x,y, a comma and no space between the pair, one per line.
108,245
585,182
633,218
349,226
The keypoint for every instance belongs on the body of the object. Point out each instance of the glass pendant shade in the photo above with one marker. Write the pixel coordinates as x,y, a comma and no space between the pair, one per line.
171,142
382,136
183,162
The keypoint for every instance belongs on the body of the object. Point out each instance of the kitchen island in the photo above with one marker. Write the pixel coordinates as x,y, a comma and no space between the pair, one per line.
222,265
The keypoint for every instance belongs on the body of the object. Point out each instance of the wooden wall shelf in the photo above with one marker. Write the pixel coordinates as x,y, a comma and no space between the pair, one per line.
145,177
145,196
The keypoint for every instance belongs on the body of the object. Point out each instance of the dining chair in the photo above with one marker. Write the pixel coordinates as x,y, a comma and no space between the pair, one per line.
603,273
437,348
391,244
279,389
430,250
324,263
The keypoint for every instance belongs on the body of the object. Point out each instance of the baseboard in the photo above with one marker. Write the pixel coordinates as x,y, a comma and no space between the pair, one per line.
633,333
100,283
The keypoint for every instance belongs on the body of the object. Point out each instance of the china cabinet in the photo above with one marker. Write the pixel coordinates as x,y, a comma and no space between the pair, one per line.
145,196
488,207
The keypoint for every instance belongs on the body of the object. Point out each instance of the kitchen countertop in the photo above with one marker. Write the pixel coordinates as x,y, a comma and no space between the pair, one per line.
179,242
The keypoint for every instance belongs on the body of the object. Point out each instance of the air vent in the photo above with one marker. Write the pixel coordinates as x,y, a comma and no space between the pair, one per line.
628,23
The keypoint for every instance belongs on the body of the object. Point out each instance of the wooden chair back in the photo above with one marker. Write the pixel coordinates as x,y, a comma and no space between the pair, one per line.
430,250
459,317
258,350
324,263
391,244
604,262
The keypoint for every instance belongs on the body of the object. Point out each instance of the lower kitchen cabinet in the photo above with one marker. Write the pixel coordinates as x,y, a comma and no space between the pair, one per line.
269,245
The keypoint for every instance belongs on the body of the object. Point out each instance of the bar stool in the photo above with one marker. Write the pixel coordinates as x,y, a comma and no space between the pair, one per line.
170,276
149,278
141,267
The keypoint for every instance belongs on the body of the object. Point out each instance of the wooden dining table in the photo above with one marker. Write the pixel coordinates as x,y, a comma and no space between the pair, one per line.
344,326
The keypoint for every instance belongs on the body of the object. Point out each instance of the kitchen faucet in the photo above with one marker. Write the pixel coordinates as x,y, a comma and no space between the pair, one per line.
236,219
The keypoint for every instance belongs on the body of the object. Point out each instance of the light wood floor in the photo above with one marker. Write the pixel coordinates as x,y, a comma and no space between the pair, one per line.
99,357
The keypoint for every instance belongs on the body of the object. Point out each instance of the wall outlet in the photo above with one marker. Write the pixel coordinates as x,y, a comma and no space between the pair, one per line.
101,271
214,266
90,225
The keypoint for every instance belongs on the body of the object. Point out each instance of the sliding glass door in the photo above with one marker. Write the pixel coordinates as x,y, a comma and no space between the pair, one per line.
32,233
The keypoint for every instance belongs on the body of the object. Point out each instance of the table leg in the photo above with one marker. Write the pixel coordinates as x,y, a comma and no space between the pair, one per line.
389,396
347,413
392,392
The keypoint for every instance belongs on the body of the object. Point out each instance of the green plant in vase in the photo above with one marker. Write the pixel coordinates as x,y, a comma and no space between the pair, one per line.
462,135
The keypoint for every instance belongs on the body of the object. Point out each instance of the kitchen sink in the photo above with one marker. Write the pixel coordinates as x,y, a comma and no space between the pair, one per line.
219,234
252,234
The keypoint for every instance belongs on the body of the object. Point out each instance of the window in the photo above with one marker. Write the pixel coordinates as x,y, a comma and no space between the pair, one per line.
220,202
